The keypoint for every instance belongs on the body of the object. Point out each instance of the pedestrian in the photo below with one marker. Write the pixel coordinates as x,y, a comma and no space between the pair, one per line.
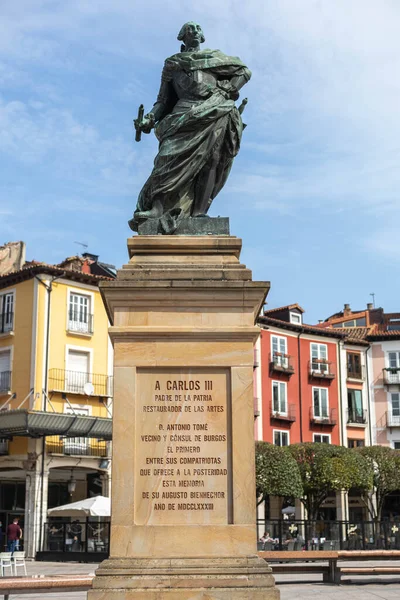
13,535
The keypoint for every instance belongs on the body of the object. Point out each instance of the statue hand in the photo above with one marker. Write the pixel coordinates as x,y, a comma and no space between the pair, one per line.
146,124
230,91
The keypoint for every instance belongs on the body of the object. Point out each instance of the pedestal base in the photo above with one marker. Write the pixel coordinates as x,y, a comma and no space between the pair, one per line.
245,578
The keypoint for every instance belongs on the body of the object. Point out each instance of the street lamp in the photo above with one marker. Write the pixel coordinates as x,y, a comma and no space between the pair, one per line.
71,484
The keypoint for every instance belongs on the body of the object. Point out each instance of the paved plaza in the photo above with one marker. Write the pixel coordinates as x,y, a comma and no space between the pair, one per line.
384,590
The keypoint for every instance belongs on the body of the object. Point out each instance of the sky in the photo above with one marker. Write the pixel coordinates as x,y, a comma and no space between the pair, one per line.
314,191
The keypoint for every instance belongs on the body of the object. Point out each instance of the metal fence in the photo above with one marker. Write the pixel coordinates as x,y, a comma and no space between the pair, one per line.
85,537
291,534
77,446
75,381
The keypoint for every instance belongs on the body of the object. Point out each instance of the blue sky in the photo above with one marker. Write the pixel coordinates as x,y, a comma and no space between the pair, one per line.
314,191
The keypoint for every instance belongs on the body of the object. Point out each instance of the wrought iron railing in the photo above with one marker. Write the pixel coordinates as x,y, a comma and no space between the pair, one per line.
392,420
321,369
328,417
76,446
288,415
281,534
391,376
5,381
355,372
281,363
6,322
75,382
80,322
357,416
83,537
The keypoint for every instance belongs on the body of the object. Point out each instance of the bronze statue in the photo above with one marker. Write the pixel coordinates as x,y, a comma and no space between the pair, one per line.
199,129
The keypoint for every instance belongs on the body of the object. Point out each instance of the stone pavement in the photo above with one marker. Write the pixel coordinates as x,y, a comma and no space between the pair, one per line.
289,591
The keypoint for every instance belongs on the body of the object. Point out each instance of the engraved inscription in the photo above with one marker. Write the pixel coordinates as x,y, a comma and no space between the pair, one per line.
181,474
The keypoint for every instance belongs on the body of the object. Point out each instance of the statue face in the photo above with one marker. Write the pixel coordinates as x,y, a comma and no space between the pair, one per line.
193,35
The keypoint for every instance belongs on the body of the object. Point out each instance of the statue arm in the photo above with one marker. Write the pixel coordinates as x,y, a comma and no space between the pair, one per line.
234,83
239,80
165,98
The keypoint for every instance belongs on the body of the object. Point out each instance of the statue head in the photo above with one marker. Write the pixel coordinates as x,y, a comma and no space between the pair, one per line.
191,34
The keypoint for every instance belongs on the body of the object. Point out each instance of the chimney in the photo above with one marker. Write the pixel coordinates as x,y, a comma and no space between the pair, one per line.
320,321
347,309
370,306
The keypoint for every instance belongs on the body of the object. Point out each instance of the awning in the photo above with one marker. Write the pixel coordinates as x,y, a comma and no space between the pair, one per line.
35,424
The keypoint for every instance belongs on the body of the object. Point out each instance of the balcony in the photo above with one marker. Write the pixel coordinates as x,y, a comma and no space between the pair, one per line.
356,374
288,416
80,446
391,376
392,420
281,363
329,418
5,382
80,322
74,382
356,417
6,322
321,369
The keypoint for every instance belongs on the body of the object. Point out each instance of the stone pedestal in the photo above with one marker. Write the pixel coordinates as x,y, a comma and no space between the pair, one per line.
183,494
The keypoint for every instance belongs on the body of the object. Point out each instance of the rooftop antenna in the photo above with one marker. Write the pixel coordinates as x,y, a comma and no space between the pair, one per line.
373,299
82,244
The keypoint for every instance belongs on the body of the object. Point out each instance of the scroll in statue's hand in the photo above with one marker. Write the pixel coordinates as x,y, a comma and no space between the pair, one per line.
146,124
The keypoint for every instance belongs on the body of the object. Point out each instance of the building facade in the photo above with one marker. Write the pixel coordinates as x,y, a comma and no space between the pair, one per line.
55,390
315,385
378,336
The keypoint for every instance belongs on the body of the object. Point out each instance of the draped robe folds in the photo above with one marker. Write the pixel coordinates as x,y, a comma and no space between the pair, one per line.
199,124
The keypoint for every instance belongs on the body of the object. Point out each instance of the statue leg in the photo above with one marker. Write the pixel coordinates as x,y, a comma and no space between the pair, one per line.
204,186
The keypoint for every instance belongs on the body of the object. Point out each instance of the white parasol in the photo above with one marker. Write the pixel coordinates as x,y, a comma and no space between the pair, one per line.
99,506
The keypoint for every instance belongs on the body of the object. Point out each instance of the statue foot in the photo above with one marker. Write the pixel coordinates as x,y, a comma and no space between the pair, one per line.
199,215
153,213
140,216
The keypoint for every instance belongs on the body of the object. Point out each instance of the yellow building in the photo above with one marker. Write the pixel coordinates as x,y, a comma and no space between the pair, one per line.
55,391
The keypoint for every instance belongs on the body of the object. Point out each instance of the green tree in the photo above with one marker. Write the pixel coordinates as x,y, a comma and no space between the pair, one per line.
384,463
325,469
277,473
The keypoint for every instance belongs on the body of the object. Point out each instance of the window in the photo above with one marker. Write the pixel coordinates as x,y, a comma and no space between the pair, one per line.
78,371
295,318
394,325
395,397
353,323
79,317
319,358
319,438
279,351
396,445
355,443
394,360
6,312
281,438
355,406
320,403
279,404
354,365
5,370
78,445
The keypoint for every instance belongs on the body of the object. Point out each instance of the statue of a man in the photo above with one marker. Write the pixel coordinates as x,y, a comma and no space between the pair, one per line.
199,129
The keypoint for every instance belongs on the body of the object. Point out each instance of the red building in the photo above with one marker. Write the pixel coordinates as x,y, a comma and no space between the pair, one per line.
299,379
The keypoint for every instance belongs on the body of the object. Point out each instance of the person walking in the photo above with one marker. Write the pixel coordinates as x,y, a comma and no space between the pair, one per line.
13,535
